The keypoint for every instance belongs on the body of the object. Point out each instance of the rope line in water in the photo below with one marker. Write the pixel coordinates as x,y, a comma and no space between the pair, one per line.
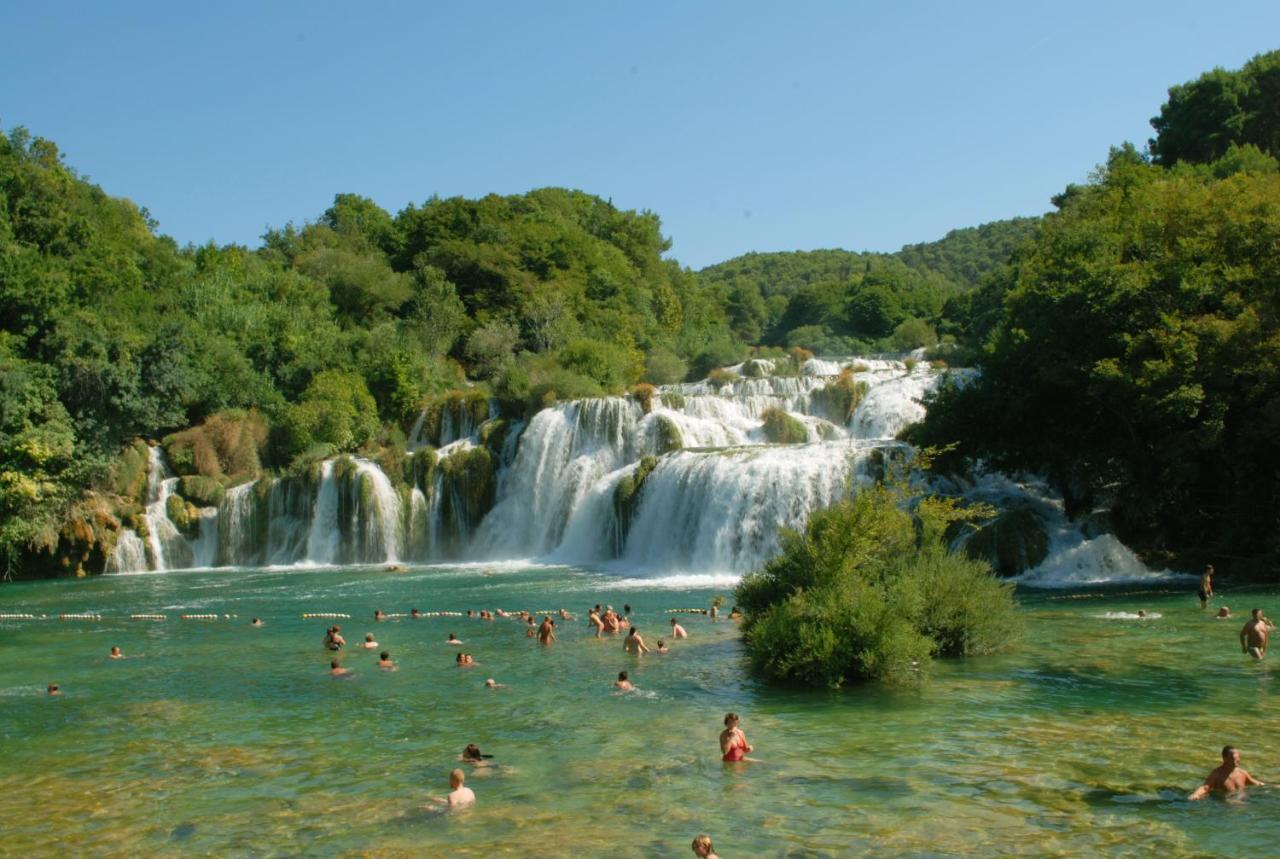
325,615
22,617
148,617
70,616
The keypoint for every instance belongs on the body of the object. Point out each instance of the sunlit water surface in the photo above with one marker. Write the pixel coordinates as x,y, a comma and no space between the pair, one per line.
215,738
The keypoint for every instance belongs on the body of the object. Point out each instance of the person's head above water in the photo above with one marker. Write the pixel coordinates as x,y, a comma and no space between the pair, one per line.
1231,755
633,631
622,675
335,664
368,636
702,846
54,690
472,752
730,719
1257,614
384,655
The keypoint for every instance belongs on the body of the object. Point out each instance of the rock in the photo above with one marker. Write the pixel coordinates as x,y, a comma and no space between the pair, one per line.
1014,542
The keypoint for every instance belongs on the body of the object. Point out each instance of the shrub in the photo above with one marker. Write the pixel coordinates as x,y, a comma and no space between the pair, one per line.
720,377
644,394
664,367
226,447
839,399
863,594
782,428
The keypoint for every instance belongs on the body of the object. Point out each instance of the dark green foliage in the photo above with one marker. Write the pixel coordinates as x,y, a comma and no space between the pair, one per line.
667,434
782,428
1203,119
1137,360
863,594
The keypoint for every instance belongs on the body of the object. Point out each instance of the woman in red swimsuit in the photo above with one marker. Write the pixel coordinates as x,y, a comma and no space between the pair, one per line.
733,743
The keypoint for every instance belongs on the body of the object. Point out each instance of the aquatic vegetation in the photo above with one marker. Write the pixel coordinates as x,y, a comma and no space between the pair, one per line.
626,497
782,428
868,592
839,399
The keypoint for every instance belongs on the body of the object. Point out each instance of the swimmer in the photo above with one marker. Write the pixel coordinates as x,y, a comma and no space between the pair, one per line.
702,848
257,621
662,647
115,653
369,643
333,638
1206,586
1254,635
385,663
414,613
623,683
530,627
378,615
453,639
1142,613
677,631
54,689
733,743
1228,778
594,620
634,643
468,660
490,683
469,613
471,755
336,669
626,609
1224,613
734,613
547,632
461,795
715,611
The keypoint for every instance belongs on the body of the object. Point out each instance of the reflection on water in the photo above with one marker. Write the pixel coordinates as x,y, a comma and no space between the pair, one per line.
221,739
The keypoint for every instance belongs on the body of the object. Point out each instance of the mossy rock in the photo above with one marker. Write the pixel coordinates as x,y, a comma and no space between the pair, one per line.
828,431
469,403
626,498
493,435
721,377
420,466
470,481
782,428
201,491
754,369
673,401
184,516
1014,542
667,435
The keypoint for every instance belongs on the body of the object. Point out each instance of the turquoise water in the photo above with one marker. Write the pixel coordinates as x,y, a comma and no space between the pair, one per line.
216,738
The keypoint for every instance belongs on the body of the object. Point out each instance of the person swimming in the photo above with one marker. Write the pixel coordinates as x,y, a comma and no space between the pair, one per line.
414,613
385,663
634,643
662,647
115,653
677,631
53,689
378,615
623,682
453,639
490,683
702,848
733,743
333,639
257,621
369,643
1228,778
1224,613
336,669
471,755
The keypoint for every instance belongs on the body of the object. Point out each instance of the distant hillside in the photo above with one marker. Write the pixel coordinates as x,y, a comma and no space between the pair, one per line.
967,255
838,301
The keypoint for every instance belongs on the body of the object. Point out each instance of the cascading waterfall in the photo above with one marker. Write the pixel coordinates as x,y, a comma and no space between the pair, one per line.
684,481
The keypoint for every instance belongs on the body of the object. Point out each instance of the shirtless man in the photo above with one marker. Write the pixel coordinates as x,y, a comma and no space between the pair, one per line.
1224,613
623,683
547,632
460,795
336,669
257,621
369,643
494,684
1253,638
596,622
1206,586
610,620
453,639
116,654
634,643
385,663
677,631
1229,777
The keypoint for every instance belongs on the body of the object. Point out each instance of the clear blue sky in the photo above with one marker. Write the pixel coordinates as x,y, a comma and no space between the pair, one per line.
744,125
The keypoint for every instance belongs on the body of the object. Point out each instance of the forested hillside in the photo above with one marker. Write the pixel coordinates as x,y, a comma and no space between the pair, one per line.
1135,352
836,301
331,337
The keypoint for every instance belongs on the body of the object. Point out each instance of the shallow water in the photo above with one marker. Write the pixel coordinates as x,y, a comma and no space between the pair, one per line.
215,738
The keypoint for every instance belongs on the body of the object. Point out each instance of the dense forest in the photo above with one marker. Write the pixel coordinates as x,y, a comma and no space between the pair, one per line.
1134,355
1127,341
839,302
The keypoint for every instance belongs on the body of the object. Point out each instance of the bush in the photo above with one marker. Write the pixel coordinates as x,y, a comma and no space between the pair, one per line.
664,367
612,366
226,447
839,399
863,594
782,428
720,377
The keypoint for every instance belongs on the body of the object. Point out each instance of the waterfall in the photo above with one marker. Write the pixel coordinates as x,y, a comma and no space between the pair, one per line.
684,480
323,536
166,547
129,555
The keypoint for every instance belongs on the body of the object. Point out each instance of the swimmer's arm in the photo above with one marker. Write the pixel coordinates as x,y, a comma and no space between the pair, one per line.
1250,780
1201,792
